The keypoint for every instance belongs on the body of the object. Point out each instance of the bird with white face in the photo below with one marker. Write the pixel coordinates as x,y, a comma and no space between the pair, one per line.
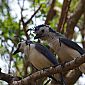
66,49
39,56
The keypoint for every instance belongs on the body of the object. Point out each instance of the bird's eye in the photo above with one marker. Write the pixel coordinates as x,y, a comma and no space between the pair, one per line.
19,45
42,31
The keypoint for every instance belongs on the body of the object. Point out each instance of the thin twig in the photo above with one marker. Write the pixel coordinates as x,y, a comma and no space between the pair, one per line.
33,15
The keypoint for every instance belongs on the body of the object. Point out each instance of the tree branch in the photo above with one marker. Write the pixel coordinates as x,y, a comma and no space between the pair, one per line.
28,21
72,21
83,30
64,13
51,12
73,76
33,15
8,78
52,70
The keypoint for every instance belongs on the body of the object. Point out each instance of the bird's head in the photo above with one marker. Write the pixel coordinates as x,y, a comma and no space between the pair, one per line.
20,47
43,31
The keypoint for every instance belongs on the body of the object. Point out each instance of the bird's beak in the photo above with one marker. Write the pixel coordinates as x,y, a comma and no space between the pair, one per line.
38,36
16,51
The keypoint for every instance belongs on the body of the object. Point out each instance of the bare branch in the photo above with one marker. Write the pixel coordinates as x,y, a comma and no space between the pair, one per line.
73,76
83,30
51,12
64,13
72,21
22,20
52,70
8,78
28,21
33,15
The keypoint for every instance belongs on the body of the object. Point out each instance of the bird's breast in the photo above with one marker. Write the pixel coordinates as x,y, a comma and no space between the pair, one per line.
64,52
38,60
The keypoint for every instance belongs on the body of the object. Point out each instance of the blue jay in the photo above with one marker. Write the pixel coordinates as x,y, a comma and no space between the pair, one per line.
63,47
39,56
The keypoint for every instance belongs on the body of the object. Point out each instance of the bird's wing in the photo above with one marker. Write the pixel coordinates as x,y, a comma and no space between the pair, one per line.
72,44
44,50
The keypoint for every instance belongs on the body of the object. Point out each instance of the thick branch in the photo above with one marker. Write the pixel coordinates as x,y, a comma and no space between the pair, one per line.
72,21
52,70
64,13
73,76
51,12
83,31
8,78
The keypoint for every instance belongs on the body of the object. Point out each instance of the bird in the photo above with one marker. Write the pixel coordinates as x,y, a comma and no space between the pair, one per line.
39,56
66,49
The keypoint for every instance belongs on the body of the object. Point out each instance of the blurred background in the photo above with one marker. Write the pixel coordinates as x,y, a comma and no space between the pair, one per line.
17,16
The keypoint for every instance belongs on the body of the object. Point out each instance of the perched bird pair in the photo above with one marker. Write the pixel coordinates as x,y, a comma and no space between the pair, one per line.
39,56
66,49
